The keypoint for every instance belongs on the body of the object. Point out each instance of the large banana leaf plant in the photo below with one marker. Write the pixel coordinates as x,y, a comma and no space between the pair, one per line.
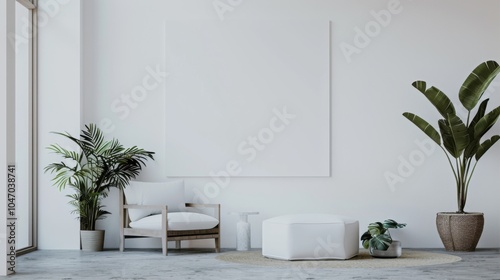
461,140
91,171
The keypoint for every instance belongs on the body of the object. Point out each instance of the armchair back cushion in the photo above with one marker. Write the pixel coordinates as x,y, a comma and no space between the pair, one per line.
170,193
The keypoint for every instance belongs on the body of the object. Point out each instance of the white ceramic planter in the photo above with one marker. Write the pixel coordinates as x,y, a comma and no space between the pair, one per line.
394,251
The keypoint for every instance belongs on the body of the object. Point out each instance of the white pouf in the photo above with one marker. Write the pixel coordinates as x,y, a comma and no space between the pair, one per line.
310,237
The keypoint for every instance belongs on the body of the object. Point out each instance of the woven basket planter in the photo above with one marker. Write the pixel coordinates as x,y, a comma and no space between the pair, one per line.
460,232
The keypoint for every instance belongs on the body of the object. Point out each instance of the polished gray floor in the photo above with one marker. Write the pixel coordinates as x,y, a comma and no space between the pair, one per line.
201,264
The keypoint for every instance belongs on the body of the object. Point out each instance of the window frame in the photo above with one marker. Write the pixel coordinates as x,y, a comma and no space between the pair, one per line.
31,5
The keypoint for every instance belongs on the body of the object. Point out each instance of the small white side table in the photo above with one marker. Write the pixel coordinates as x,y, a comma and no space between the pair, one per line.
243,230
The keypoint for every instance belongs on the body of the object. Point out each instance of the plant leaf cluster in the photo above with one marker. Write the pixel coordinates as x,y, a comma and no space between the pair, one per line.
461,140
91,171
378,236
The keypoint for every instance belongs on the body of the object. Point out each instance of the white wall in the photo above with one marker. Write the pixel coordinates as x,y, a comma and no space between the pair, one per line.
437,41
59,110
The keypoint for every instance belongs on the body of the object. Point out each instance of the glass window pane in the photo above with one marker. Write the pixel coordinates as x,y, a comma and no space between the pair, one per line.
23,127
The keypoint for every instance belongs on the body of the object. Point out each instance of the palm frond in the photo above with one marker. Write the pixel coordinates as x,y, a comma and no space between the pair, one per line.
98,166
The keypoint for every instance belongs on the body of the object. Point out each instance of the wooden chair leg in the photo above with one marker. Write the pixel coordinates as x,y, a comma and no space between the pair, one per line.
164,231
177,244
217,245
122,243
164,246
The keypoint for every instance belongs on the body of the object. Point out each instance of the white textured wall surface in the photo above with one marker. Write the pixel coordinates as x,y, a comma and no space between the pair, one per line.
378,49
58,110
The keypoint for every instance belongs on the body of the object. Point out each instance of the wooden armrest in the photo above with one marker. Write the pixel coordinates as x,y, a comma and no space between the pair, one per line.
200,205
136,206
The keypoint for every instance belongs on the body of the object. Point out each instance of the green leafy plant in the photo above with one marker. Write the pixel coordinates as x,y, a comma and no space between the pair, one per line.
459,140
378,236
93,170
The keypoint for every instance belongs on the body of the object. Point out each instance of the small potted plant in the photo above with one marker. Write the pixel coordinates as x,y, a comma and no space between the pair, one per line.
379,241
91,171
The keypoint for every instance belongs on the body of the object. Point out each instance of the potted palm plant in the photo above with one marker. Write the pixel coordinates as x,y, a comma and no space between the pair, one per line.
461,143
91,171
379,241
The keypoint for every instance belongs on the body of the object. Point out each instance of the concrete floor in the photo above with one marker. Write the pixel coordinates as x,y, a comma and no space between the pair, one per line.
201,264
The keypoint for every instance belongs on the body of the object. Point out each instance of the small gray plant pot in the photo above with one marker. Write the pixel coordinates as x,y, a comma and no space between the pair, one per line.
92,240
394,251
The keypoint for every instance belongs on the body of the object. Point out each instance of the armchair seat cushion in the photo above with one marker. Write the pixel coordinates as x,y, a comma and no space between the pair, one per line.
177,221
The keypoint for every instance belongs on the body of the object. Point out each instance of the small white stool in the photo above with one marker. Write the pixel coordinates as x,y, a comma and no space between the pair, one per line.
310,237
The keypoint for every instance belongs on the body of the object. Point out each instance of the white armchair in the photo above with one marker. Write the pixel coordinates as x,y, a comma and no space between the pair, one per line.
159,210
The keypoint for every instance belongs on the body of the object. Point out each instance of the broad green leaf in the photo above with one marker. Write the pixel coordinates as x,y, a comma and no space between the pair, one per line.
376,228
420,85
486,145
389,223
486,122
471,149
366,236
477,82
440,101
455,135
480,113
366,243
381,242
428,129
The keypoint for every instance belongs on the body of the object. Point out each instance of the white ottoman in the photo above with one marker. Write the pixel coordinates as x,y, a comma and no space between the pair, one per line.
310,237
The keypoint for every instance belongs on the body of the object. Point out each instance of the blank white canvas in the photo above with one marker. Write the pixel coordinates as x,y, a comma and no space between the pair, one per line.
226,82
